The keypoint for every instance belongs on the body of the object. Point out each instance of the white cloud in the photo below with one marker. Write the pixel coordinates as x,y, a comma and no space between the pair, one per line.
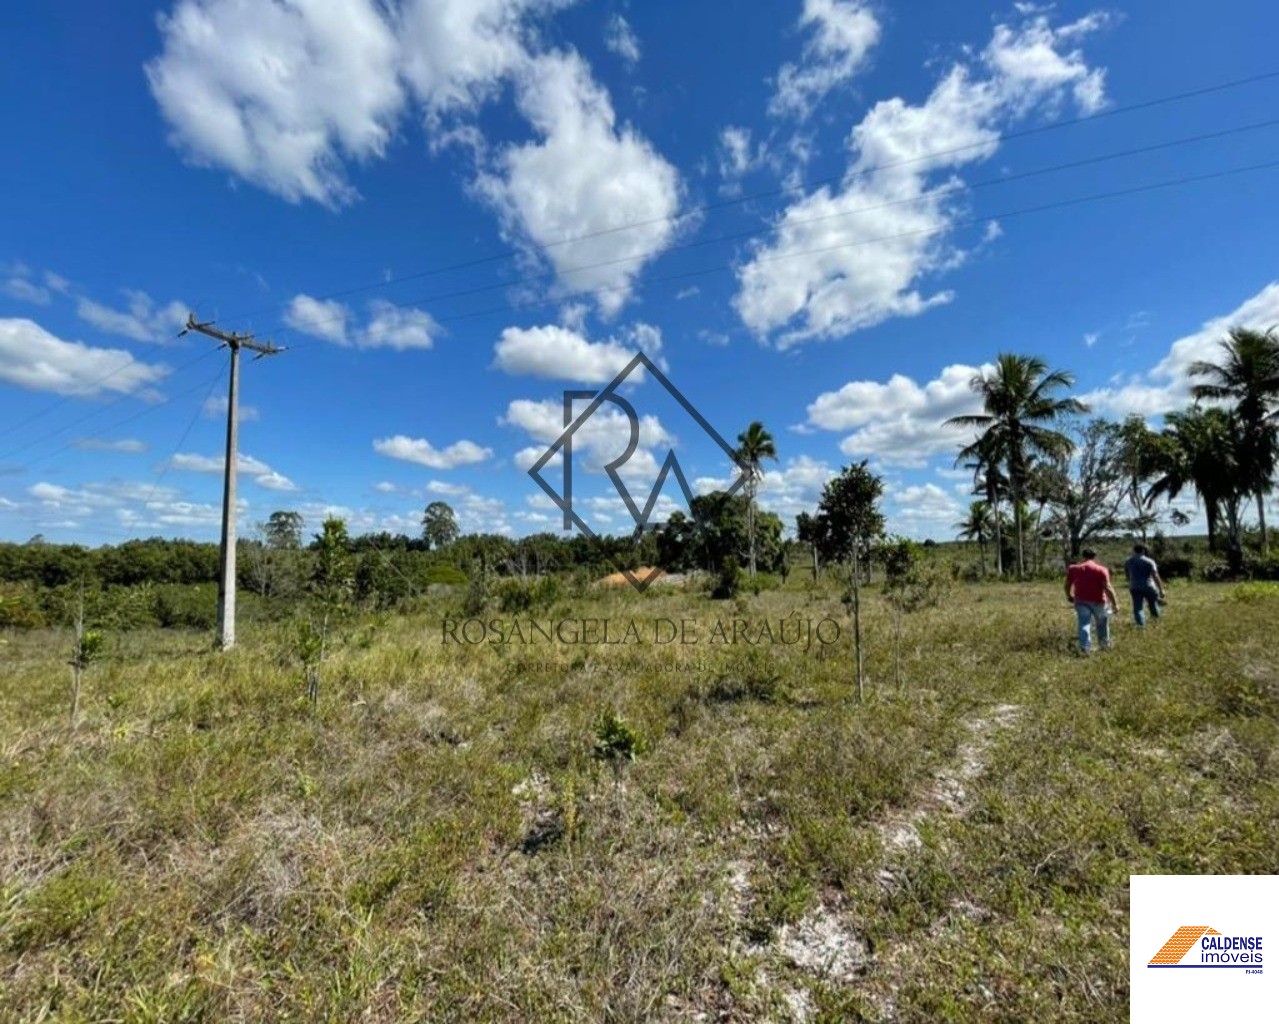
397,327
280,94
320,318
899,422
456,53
450,490
1166,386
389,326
423,453
17,287
384,487
33,358
143,320
584,180
215,407
261,474
561,354
921,510
787,490
847,257
620,39
843,32
124,446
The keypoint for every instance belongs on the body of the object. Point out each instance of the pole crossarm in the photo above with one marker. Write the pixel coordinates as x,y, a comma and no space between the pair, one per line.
232,339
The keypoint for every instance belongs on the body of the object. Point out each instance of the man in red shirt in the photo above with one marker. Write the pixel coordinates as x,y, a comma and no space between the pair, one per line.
1088,588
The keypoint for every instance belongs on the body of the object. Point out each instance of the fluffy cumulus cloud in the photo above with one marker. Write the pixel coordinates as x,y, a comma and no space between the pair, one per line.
847,257
560,353
386,326
1166,386
141,319
423,453
841,34
898,422
126,506
33,358
287,94
280,92
600,440
257,470
596,199
457,53
922,510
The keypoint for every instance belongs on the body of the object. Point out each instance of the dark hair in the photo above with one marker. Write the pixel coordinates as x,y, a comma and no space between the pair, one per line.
1088,553
1139,548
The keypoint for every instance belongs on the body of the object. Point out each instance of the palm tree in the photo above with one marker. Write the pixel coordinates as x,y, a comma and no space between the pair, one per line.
989,481
1248,376
977,525
1020,406
754,445
1198,450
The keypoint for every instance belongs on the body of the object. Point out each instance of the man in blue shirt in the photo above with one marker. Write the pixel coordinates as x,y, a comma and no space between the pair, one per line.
1144,583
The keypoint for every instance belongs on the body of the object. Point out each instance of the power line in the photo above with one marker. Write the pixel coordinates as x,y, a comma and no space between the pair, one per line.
757,232
734,201
86,389
685,275
703,208
130,419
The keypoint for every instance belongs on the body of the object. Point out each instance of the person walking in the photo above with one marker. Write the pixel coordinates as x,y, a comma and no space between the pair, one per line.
1088,589
1144,584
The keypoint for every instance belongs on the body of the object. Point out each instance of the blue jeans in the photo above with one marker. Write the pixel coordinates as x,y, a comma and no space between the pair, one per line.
1089,613
1147,597
1144,597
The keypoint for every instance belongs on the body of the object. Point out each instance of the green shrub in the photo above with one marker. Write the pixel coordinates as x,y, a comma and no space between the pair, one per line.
19,608
187,607
729,580
520,596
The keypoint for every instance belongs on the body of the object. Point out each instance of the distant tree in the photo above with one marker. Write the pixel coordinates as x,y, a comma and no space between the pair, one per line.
754,445
911,584
439,525
807,531
36,540
332,584
1248,377
1197,450
985,459
848,519
1020,406
283,531
978,525
1090,488
1139,456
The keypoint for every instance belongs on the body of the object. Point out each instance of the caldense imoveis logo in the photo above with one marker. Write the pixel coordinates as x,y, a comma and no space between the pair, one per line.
1198,945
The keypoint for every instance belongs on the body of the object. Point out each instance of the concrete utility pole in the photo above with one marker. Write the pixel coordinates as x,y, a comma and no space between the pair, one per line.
226,557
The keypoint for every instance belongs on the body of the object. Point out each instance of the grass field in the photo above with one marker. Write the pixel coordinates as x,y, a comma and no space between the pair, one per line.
438,841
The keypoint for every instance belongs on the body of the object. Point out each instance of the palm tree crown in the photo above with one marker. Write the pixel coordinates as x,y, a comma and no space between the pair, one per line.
1021,405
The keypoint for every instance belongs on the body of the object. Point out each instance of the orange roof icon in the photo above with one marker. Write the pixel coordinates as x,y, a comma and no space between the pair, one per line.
1179,945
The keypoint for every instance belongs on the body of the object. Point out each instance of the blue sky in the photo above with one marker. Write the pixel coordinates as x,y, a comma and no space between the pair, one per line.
810,212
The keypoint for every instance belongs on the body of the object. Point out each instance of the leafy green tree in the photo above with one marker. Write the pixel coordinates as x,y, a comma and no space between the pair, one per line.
984,458
848,519
1248,377
439,525
754,445
1020,407
283,531
848,515
911,584
808,531
332,583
